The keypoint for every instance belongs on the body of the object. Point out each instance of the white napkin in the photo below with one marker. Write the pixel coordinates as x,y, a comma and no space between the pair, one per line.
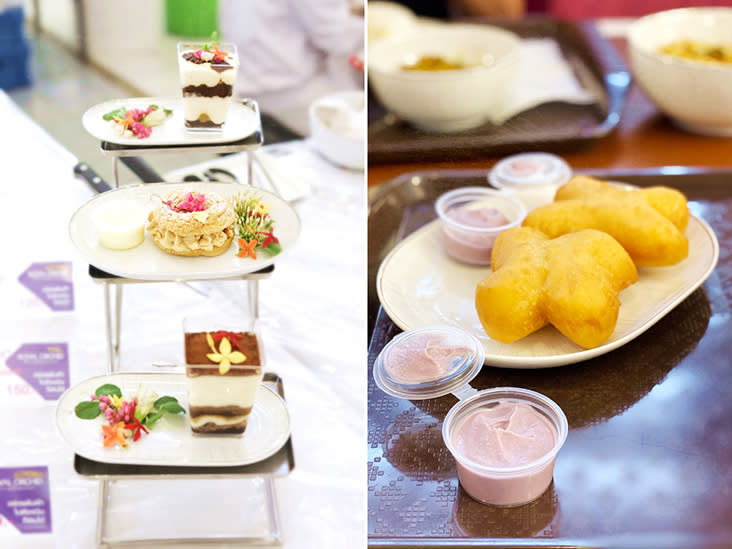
543,75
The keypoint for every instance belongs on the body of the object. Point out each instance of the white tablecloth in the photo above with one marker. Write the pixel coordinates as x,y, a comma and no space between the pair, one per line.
312,320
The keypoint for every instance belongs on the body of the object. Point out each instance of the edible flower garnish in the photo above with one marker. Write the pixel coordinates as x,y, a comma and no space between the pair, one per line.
247,248
137,122
136,427
117,401
233,337
255,226
115,434
126,418
193,202
216,54
225,356
269,238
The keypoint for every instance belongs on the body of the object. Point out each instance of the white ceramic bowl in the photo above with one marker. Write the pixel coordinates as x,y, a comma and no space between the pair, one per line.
696,95
446,100
338,128
388,20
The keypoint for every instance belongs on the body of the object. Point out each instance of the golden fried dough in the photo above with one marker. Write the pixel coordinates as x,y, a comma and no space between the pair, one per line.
648,223
669,202
571,282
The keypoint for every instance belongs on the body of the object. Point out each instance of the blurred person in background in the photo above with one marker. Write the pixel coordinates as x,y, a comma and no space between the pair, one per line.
293,52
444,9
577,10
560,9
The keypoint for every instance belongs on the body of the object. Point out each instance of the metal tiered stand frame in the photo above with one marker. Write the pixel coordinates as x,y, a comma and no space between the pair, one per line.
278,465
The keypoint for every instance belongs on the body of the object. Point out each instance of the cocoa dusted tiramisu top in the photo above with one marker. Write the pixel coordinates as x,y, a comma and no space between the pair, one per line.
224,349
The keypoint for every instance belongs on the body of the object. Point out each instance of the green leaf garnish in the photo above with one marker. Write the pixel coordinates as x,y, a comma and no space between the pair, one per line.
116,113
88,409
151,418
172,408
169,404
109,390
273,249
163,400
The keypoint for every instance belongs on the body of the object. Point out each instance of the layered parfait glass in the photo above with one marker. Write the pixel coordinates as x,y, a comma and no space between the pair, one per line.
207,77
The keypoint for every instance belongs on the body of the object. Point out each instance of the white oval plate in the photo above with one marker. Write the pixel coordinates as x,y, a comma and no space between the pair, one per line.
241,122
419,285
148,262
171,441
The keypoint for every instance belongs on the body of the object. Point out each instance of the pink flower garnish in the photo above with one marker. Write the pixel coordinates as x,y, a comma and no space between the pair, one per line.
141,130
191,203
137,114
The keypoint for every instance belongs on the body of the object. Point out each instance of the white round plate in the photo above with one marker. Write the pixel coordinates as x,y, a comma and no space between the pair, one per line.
148,262
241,122
419,285
171,441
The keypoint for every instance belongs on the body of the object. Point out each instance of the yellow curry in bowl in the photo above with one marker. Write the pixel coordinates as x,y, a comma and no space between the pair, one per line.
435,63
697,51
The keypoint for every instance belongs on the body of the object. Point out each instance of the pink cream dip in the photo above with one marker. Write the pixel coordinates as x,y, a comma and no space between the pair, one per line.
508,435
472,246
422,358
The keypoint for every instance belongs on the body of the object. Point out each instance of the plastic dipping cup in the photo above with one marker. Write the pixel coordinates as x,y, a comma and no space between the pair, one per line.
472,218
428,362
534,177
506,485
207,87
520,171
220,403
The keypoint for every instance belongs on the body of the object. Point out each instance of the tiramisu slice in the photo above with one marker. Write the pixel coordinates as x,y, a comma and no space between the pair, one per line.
224,371
207,75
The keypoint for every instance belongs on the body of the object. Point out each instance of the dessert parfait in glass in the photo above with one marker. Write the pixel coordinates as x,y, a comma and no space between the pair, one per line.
224,369
207,76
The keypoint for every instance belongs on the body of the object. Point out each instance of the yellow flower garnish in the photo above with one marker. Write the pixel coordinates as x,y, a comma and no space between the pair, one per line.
224,357
117,401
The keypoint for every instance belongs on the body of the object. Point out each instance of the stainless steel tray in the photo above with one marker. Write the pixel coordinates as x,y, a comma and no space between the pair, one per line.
278,465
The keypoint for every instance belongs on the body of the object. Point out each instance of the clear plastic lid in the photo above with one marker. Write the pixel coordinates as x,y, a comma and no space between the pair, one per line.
428,362
526,169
